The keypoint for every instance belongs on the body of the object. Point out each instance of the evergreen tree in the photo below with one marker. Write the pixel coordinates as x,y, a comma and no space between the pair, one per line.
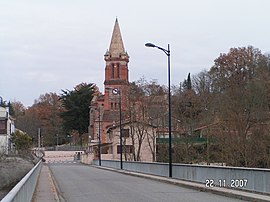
11,109
187,83
76,103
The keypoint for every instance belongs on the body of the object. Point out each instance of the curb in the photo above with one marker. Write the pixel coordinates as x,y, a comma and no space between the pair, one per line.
54,186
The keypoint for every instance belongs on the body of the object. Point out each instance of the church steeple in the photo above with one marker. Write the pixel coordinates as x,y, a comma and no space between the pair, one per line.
116,49
116,70
116,46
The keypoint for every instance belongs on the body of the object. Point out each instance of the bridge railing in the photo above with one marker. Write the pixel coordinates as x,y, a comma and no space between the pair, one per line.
24,190
65,148
249,179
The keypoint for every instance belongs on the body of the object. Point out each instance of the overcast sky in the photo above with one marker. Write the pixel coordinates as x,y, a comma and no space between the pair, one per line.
49,45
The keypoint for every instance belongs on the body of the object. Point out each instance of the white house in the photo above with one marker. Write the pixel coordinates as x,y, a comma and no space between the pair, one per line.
7,127
138,140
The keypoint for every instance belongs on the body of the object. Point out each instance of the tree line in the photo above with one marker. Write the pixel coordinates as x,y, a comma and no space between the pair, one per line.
62,118
229,106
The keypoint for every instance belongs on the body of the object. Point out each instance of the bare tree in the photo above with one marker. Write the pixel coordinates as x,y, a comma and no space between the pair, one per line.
241,99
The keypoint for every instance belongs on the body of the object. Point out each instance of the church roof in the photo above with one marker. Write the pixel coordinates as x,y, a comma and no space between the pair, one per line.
117,45
113,116
110,116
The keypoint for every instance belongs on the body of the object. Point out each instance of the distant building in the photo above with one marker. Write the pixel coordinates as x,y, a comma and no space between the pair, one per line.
105,108
139,141
7,127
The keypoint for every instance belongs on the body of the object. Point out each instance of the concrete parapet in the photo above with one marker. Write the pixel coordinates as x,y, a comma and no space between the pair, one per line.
248,179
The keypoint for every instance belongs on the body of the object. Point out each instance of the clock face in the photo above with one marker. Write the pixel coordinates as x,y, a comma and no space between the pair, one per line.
115,91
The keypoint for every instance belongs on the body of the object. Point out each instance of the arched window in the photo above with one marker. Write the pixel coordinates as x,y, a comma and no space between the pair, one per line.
112,70
118,70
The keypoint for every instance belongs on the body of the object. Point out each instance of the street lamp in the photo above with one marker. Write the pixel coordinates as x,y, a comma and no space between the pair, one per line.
99,133
117,91
56,139
167,52
99,138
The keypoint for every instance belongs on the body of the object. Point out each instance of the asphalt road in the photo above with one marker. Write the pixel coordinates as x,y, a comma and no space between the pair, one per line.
81,183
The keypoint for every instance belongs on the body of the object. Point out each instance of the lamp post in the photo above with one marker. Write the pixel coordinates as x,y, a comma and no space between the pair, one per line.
99,138
57,136
117,91
93,110
168,53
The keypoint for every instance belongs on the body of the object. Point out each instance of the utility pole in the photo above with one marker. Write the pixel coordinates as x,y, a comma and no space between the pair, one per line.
38,138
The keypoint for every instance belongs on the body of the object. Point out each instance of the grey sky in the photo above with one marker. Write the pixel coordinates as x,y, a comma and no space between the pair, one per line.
46,46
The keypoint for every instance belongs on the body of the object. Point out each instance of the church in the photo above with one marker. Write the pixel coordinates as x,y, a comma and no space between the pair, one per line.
110,112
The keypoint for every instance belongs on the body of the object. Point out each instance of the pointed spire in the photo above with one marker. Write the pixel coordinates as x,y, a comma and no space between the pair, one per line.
116,46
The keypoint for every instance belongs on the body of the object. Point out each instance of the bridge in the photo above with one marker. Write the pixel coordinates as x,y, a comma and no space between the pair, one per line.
64,178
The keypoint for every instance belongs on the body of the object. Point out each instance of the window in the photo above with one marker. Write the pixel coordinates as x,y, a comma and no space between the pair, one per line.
3,129
112,70
118,70
129,149
157,149
2,124
125,132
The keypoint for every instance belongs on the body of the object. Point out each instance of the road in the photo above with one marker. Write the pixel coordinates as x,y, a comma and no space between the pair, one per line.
81,183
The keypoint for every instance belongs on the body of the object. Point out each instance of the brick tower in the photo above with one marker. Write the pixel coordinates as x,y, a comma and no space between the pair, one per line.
105,107
116,71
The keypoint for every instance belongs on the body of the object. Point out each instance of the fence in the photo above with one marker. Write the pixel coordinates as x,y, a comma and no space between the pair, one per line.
249,179
24,190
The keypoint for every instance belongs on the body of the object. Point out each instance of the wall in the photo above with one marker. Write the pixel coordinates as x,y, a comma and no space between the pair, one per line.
251,179
3,144
57,156
87,158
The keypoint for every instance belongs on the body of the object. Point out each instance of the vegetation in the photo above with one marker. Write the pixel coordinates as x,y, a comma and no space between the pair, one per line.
58,116
229,106
76,108
219,116
43,114
146,108
22,141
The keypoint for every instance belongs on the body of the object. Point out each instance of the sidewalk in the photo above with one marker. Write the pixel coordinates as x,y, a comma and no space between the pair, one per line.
45,190
233,193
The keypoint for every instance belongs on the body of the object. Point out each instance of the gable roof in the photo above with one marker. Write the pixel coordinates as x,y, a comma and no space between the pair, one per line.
116,125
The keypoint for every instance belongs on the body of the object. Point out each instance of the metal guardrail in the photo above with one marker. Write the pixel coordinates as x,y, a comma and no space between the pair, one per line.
248,179
24,190
65,148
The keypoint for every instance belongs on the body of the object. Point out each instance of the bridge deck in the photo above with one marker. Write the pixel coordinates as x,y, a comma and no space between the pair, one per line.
46,190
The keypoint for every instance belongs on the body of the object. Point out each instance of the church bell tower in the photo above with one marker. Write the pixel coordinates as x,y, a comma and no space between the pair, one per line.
116,71
105,108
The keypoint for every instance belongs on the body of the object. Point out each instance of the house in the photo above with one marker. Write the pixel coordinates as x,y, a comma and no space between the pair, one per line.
138,141
7,127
